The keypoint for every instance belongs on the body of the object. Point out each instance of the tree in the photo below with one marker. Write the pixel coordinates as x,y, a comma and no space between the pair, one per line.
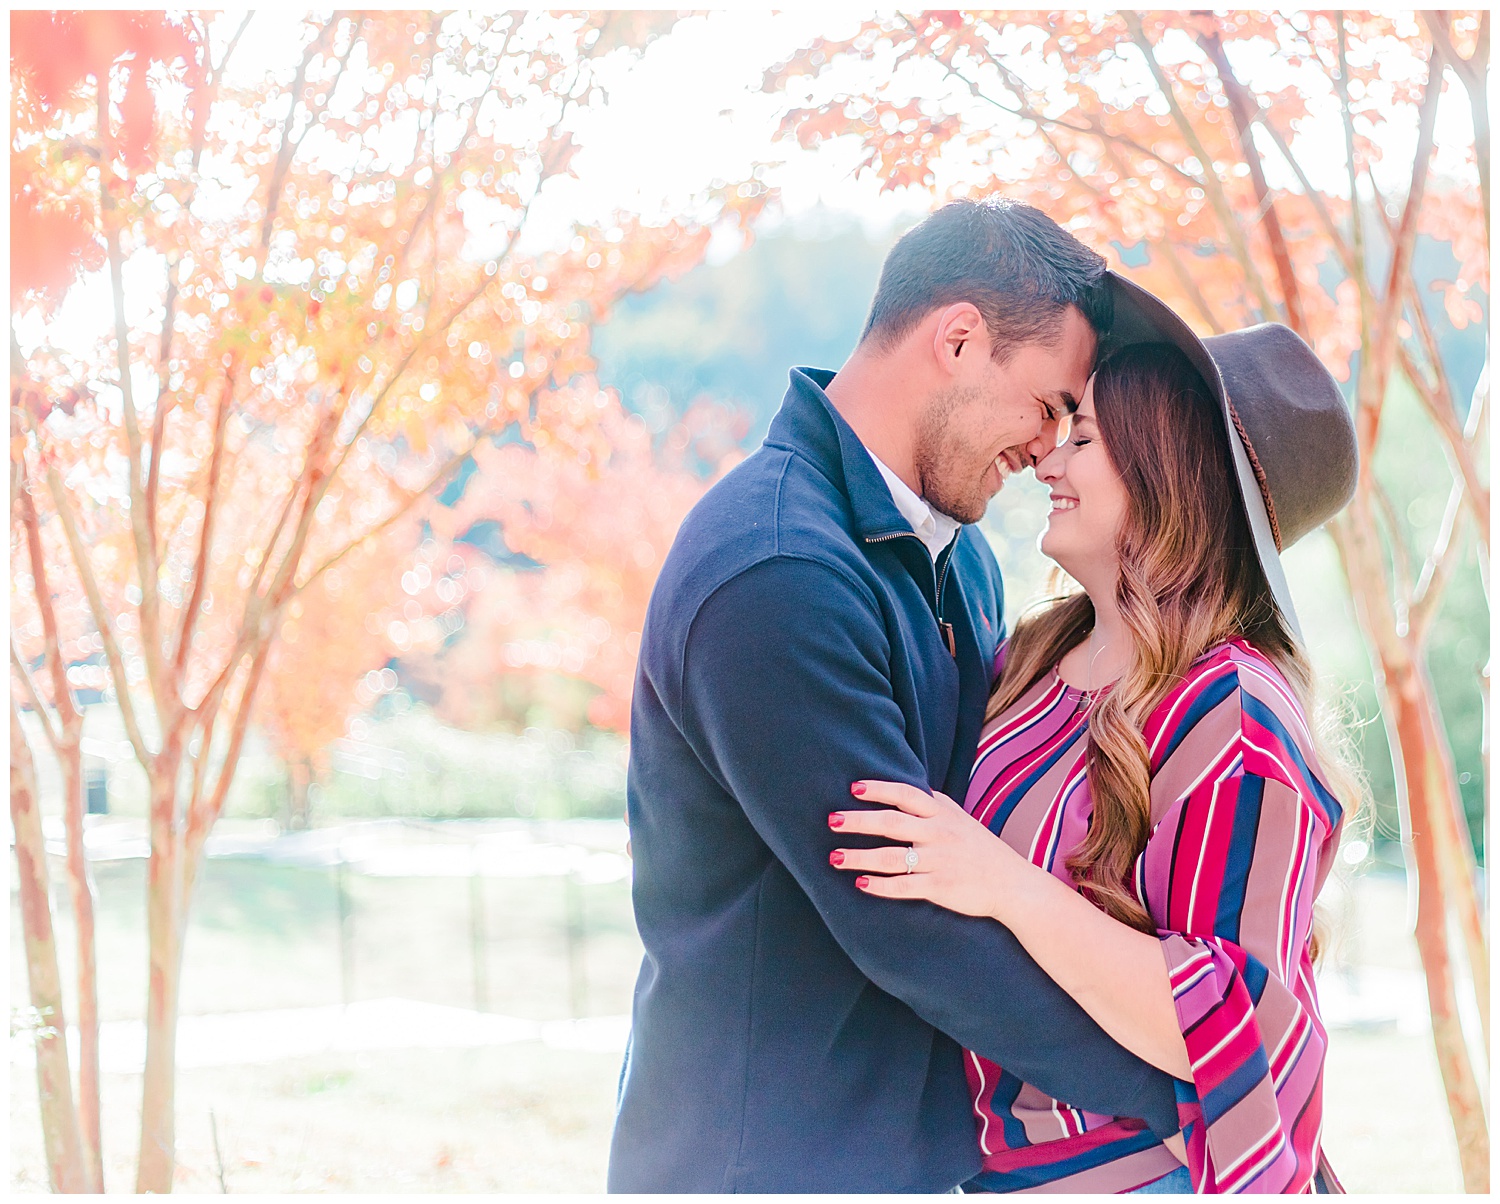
1198,144
325,292
324,647
598,526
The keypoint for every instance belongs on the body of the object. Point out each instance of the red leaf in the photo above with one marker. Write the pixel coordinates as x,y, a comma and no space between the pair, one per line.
137,117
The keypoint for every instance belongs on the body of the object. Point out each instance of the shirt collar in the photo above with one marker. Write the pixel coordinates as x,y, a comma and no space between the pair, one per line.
934,528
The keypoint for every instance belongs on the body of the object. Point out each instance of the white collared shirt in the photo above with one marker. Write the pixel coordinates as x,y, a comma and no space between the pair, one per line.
932,527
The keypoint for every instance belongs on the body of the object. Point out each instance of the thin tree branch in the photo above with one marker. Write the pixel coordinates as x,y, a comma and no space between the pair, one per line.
1400,553
1168,248
1366,404
255,600
215,74
1471,72
165,401
201,759
408,499
1211,184
1244,106
70,719
205,534
1330,227
1438,404
287,147
1387,222
100,614
200,821
428,210
140,526
164,404
1437,569
1389,310
1028,112
34,699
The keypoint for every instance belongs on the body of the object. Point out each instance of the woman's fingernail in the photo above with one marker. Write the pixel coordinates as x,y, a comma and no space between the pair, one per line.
836,857
836,820
862,882
857,789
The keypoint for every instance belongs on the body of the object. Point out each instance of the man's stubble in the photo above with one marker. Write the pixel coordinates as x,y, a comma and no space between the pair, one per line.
947,467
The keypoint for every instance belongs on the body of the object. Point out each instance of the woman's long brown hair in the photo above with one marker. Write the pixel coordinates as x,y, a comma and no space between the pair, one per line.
1189,580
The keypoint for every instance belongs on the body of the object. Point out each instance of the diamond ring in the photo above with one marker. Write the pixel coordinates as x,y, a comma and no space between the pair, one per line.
911,860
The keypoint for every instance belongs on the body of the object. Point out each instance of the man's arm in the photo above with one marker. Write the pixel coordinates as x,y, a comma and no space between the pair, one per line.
786,696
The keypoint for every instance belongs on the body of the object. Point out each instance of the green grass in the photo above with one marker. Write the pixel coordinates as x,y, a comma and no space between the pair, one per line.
523,1117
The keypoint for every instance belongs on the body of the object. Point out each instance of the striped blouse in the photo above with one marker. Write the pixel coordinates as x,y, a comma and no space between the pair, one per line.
1243,835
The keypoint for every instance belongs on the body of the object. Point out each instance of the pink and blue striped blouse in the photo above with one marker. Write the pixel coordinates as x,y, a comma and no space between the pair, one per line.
1243,834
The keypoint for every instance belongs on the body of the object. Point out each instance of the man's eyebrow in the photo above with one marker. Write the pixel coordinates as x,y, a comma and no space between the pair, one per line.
1070,403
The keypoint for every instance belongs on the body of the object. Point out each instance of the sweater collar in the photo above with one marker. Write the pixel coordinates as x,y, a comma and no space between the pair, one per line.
809,425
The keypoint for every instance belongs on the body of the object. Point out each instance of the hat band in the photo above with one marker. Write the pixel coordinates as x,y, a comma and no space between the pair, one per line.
1260,473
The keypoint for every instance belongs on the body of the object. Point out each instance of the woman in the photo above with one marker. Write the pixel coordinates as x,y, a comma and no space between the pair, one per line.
1166,814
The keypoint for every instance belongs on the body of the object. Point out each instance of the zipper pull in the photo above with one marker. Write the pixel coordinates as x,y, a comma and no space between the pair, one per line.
947,629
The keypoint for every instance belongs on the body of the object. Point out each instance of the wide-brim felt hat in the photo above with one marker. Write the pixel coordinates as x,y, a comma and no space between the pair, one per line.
1291,435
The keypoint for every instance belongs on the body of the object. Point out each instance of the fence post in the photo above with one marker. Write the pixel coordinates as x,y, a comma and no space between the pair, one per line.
346,929
478,939
576,936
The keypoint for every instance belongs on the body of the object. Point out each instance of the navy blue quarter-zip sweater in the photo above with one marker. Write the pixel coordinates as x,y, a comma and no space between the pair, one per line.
790,1033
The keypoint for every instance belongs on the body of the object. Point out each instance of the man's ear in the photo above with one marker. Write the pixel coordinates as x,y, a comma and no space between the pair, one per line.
958,335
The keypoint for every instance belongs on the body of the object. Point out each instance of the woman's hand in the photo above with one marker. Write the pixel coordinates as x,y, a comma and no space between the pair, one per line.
960,864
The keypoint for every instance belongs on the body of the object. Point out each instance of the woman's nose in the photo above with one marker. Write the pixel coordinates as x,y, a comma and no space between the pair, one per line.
1050,467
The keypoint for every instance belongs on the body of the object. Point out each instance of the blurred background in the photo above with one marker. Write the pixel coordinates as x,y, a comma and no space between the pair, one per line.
363,367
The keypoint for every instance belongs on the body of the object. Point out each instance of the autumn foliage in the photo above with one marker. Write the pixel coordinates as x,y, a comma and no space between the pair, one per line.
324,296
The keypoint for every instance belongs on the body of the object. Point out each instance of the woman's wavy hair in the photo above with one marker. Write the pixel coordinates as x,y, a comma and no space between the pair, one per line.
1189,580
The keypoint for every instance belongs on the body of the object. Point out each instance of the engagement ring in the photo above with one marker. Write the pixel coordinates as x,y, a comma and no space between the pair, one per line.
911,860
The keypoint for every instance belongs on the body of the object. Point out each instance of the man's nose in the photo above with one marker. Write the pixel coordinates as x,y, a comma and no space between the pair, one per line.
1045,441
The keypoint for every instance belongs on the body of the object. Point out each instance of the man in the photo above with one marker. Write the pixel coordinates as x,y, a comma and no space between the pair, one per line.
823,617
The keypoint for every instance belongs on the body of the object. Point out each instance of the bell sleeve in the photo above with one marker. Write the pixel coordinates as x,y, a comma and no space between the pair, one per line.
1235,865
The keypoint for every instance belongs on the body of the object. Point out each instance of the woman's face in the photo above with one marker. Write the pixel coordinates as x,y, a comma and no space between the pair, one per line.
1088,501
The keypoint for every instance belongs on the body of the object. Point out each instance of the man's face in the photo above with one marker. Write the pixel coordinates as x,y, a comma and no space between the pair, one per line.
996,419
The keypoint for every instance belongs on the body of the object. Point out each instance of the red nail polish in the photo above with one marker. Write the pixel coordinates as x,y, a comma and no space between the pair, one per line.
836,857
835,820
857,789
862,882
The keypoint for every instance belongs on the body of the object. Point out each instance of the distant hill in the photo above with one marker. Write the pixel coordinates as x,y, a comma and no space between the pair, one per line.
796,297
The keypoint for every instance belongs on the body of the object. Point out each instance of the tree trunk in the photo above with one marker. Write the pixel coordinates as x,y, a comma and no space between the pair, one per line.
60,1134
299,777
157,1160
1454,1061
1419,752
81,892
1455,849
